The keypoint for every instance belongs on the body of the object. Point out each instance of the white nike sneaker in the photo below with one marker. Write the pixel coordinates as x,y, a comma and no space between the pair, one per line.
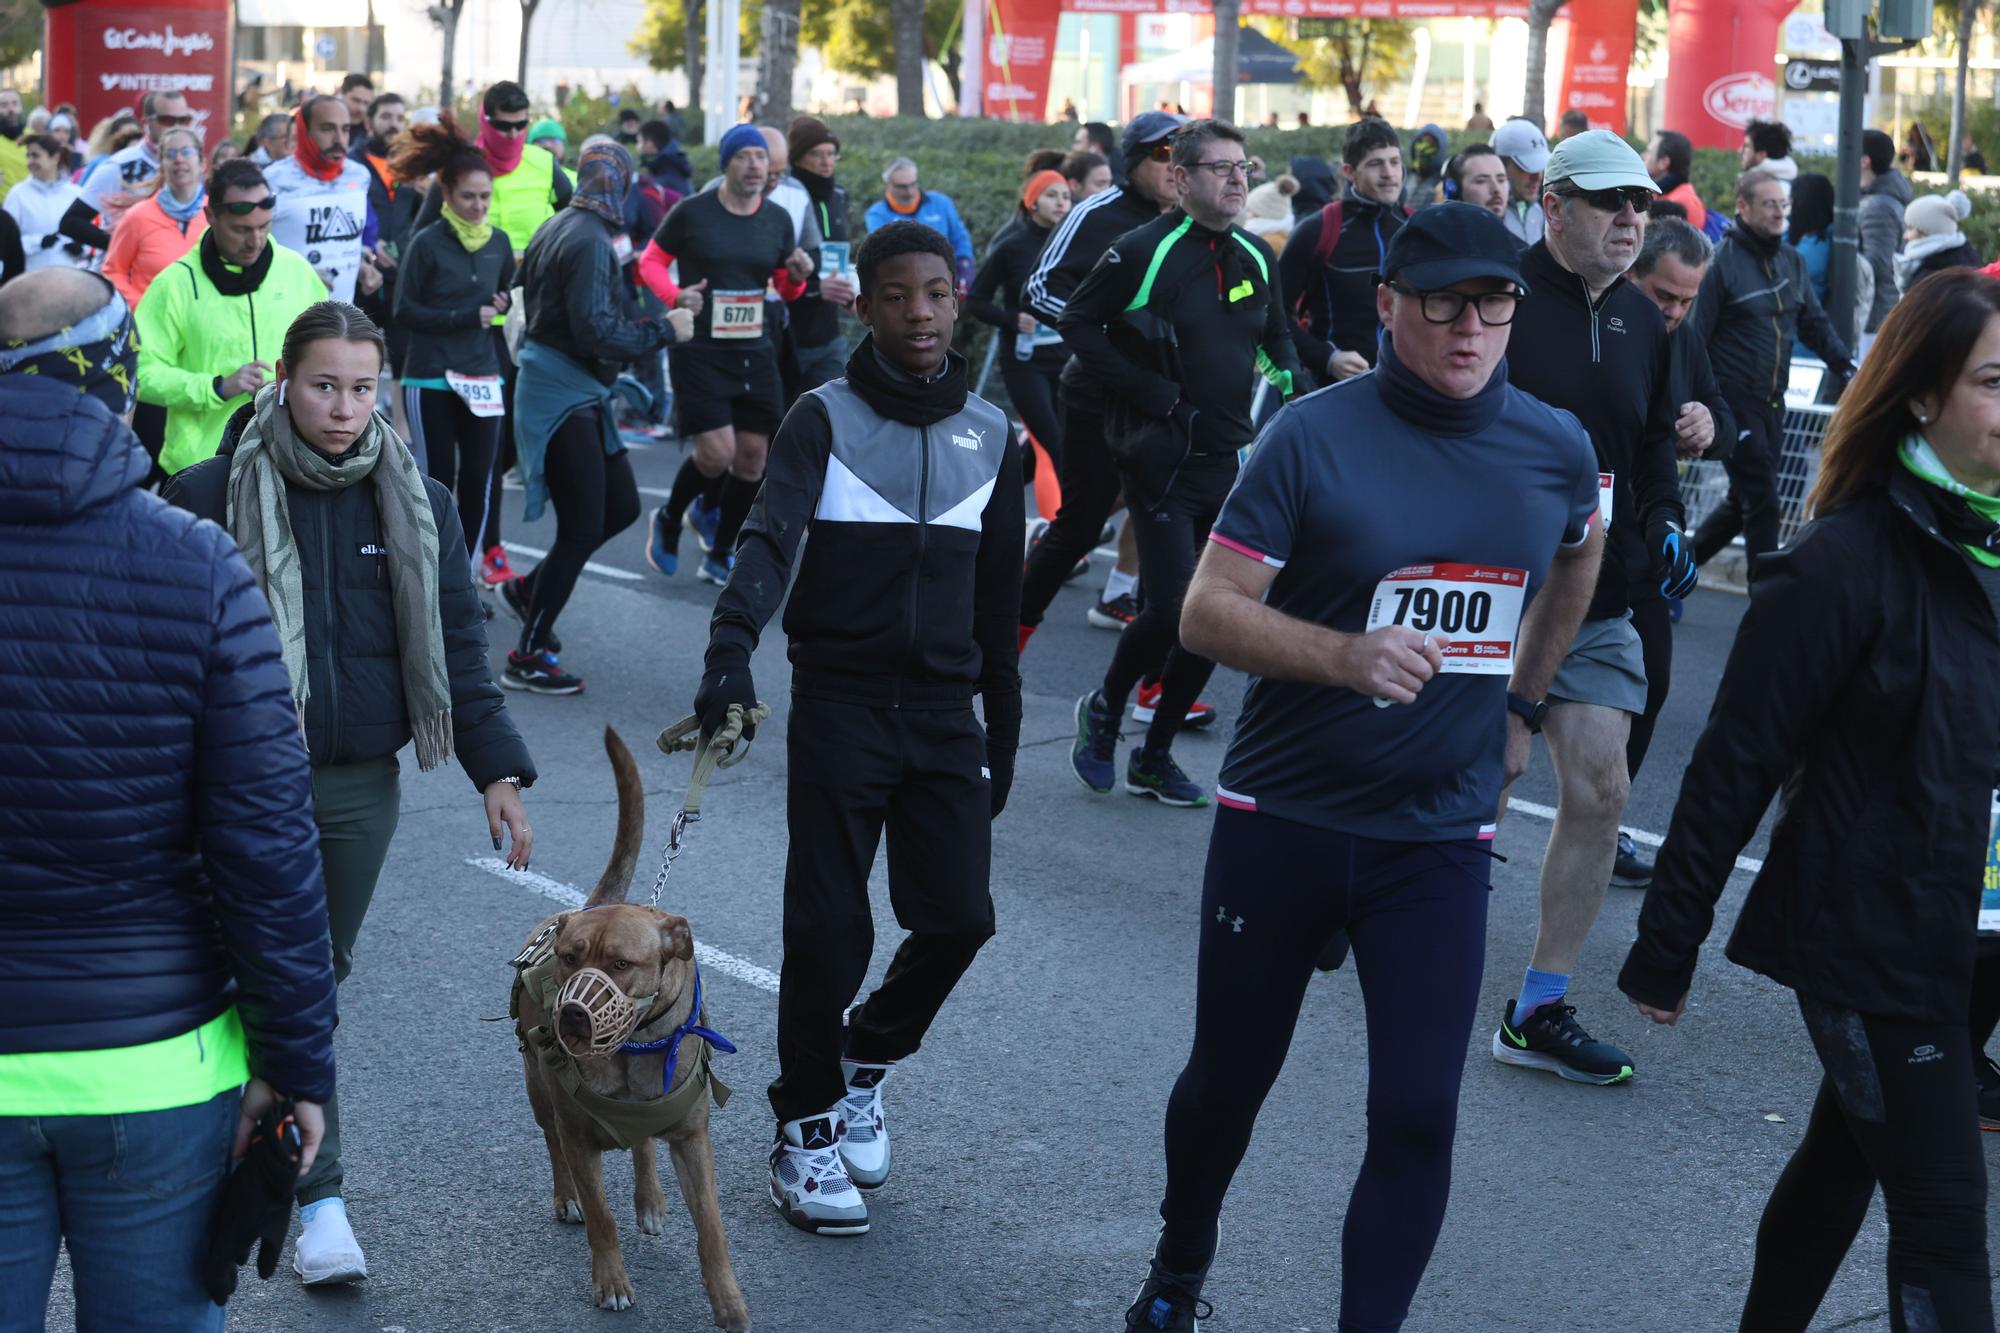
809,1185
326,1251
864,1146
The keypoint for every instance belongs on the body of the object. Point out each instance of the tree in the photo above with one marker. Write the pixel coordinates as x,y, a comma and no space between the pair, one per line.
855,37
906,25
528,8
1223,102
779,41
446,14
1541,13
694,32
20,32
1968,14
674,34
1345,53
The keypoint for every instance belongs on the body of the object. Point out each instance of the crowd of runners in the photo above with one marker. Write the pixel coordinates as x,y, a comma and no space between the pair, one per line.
1401,441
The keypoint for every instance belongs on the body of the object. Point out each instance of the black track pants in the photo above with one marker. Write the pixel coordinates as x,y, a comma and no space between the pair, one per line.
1274,893
1089,492
855,772
1896,1108
1653,620
595,498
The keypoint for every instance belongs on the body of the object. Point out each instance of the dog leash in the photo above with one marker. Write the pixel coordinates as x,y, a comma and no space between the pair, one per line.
711,752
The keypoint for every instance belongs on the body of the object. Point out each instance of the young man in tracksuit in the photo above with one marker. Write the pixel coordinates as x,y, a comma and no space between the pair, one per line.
907,601
1176,321
1333,284
1089,482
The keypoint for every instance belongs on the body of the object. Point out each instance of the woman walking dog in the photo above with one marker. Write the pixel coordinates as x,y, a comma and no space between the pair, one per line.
364,566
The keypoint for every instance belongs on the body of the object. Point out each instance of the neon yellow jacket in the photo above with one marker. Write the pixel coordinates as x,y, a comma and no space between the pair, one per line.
190,333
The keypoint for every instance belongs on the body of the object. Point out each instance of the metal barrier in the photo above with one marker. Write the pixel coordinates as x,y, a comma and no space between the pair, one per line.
1704,485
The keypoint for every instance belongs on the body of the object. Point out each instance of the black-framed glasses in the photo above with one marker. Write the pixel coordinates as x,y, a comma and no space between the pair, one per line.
1444,307
508,126
243,208
1610,201
1222,171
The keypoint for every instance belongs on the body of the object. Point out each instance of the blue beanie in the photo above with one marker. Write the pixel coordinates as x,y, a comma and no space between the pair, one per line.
737,138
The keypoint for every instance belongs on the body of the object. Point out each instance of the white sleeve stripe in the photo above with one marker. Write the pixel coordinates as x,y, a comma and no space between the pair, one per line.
1036,292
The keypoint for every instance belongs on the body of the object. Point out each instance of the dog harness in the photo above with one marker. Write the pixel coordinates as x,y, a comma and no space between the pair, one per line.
533,1006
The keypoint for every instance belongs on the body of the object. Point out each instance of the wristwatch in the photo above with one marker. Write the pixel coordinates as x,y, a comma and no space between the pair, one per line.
1534,712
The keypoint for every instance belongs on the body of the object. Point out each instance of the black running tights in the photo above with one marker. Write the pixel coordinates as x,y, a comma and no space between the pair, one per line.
1089,494
1896,1108
459,449
1653,619
595,498
1170,536
1273,894
1032,385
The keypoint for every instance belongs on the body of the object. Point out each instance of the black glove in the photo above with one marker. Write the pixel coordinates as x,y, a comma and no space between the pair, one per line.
1000,770
1673,557
50,240
727,681
256,1204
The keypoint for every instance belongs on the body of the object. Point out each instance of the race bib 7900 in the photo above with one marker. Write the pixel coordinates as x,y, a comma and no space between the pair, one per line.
1474,610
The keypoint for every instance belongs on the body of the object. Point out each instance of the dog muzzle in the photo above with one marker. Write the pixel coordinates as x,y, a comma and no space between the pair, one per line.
612,1013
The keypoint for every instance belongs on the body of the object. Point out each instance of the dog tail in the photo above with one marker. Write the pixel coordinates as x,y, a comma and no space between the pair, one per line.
617,879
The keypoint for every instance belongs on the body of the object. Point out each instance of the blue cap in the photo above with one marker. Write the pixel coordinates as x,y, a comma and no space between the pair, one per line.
737,138
1450,243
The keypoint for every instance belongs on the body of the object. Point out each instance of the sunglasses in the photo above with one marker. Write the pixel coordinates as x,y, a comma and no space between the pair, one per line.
243,208
509,126
1610,201
1162,151
173,121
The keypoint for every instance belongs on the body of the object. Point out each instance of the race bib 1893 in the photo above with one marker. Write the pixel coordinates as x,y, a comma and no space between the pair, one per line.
1475,610
481,393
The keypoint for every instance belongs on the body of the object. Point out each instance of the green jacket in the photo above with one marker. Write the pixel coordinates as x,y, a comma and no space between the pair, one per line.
190,333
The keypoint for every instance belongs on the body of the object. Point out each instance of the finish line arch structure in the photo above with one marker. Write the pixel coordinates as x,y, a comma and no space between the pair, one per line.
1015,44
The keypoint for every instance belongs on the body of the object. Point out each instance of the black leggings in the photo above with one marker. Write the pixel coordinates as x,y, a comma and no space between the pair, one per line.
1652,618
489,536
1753,506
1170,537
1274,893
1031,384
458,448
1089,492
595,498
1895,1107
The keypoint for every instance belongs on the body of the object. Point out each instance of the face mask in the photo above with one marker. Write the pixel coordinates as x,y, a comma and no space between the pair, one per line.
10,126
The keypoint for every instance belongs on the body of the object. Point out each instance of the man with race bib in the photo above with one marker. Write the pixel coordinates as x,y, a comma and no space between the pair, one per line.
1593,343
729,243
322,194
1402,550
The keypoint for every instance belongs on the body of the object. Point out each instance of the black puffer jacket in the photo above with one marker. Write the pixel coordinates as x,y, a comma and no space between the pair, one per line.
578,300
1865,683
355,710
158,860
1756,299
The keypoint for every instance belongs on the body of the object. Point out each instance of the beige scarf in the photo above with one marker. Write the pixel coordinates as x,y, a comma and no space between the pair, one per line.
269,457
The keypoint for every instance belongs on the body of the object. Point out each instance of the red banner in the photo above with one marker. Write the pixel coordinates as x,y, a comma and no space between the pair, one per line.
1722,54
1601,34
1020,51
106,57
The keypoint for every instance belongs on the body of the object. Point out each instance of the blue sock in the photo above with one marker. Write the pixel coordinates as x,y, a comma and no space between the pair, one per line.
1538,989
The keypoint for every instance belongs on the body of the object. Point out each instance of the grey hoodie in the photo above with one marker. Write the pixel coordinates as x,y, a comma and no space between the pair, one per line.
1881,222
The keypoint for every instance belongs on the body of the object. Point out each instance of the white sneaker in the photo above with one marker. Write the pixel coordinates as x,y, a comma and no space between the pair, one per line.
808,1183
864,1146
326,1250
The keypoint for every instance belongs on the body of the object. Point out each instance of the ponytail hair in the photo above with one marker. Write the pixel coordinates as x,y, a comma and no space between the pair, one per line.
439,148
330,319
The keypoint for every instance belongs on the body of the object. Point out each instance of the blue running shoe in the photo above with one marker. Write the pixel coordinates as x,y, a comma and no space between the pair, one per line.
1094,757
1159,777
702,520
715,570
663,544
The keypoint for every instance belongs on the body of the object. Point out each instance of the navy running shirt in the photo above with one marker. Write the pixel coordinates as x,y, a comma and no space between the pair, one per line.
1340,492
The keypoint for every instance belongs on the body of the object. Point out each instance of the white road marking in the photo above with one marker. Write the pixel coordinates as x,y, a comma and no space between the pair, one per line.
710,957
1638,835
590,566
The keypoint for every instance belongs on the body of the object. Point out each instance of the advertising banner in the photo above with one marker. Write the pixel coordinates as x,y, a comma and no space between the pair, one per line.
106,57
1601,35
1721,54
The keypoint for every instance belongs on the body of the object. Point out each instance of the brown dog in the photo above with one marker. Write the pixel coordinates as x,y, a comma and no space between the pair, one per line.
582,1101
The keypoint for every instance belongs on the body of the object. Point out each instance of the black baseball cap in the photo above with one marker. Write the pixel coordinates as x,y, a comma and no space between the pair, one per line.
1449,243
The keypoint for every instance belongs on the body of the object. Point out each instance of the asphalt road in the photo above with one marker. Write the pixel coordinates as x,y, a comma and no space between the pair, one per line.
1028,1160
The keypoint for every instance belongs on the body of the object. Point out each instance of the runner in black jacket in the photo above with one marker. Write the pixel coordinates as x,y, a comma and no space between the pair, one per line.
1336,330
996,299
1089,482
1176,321
1590,342
906,605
